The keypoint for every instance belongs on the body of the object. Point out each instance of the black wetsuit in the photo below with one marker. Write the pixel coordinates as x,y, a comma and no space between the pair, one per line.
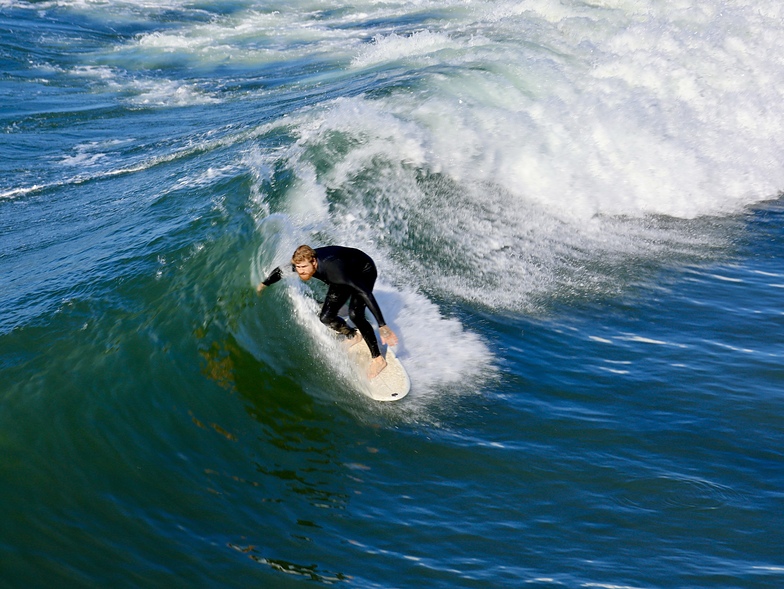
350,273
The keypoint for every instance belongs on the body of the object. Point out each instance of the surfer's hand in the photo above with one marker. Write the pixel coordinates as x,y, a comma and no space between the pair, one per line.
260,287
388,336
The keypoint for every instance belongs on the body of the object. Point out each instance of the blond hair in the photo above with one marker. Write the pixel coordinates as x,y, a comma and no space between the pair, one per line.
303,253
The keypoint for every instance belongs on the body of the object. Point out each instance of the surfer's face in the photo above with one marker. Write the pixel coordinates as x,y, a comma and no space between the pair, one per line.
306,270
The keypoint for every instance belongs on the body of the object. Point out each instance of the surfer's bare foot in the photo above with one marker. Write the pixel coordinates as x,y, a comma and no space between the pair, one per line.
352,341
377,364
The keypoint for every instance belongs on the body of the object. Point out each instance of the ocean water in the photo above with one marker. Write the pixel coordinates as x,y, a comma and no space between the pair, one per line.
576,210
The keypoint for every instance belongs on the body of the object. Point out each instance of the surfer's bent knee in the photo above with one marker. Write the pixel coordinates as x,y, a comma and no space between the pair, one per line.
337,324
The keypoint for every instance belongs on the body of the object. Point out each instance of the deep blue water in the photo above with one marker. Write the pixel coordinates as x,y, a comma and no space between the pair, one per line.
576,213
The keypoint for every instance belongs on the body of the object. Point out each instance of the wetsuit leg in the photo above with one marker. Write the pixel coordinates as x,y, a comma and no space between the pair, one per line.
336,298
356,311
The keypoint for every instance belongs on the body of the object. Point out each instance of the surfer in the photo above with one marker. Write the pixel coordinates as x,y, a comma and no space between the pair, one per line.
350,274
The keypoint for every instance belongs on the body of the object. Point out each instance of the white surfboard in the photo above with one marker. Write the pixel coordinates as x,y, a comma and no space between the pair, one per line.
391,384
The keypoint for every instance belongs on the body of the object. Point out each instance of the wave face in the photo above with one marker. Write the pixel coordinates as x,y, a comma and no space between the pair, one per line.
575,209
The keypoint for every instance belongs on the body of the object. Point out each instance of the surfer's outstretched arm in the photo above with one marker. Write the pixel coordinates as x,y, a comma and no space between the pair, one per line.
274,277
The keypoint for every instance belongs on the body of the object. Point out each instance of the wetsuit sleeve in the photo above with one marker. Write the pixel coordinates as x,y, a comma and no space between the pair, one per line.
274,277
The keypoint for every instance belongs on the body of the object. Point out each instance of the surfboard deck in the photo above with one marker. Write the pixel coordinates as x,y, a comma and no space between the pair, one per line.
392,383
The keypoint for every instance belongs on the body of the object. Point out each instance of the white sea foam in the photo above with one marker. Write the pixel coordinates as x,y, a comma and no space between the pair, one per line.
395,47
21,192
467,237
545,142
609,108
150,92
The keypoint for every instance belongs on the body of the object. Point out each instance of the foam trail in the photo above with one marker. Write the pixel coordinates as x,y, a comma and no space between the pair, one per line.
438,351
